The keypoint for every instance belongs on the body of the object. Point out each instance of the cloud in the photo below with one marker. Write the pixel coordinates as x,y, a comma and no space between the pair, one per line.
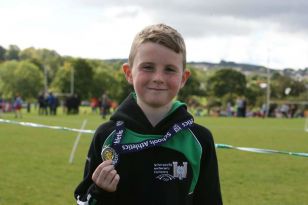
222,17
239,30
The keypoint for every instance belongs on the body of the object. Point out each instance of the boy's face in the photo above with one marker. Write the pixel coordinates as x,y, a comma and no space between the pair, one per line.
157,74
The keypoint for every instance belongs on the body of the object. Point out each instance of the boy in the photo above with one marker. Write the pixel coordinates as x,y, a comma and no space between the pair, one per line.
151,151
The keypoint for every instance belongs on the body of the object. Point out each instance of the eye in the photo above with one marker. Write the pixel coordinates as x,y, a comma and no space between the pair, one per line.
170,69
148,67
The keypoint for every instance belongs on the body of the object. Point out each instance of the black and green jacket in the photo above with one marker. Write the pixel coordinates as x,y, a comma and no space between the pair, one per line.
183,170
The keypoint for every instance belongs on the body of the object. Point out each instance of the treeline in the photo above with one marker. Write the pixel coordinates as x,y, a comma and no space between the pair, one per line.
30,71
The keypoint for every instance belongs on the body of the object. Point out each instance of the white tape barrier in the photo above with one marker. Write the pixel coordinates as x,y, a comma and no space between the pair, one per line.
30,124
224,146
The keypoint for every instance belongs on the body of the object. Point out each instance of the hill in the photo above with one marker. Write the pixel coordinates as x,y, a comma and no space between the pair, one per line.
250,69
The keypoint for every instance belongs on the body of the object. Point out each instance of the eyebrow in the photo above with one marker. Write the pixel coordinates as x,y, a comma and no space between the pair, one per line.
146,62
151,63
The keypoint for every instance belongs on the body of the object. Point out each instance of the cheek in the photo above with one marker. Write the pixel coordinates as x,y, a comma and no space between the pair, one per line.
138,82
141,78
175,83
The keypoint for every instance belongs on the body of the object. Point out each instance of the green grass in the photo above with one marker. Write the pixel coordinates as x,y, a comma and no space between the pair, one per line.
253,178
34,168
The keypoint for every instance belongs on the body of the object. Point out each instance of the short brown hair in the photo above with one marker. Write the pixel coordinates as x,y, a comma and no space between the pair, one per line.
160,34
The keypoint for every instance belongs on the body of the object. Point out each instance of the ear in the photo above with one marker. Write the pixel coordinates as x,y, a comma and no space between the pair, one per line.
128,73
185,76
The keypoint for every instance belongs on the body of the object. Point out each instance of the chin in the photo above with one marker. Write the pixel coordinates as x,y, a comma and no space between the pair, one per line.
156,104
156,101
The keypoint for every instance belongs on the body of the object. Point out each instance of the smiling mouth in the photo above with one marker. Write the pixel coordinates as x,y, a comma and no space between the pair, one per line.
157,89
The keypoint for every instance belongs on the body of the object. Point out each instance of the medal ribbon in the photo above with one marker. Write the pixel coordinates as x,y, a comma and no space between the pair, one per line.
135,147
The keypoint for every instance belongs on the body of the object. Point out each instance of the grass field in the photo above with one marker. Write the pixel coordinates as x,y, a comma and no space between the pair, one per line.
34,168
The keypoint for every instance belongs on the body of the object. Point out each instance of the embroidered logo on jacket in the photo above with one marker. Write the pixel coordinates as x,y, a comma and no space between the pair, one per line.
170,171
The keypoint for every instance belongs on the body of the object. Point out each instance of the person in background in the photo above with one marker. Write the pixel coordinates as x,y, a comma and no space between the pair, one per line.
17,105
52,104
94,104
42,104
1,105
105,105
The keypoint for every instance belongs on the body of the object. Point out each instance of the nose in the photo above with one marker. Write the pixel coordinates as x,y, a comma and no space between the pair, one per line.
158,77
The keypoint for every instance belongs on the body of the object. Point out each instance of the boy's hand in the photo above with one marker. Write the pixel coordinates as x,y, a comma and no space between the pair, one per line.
106,177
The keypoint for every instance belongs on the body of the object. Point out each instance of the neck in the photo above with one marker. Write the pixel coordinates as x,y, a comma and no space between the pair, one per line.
155,115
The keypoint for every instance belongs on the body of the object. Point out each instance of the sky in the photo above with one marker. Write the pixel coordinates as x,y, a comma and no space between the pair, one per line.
272,33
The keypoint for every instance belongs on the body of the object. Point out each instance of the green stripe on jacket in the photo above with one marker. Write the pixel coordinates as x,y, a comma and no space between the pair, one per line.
184,142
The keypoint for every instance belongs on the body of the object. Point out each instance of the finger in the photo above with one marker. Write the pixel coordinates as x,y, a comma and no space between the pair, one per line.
115,182
109,177
105,163
98,169
106,170
96,173
105,179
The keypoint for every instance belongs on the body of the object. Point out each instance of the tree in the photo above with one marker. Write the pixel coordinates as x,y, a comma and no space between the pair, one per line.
123,88
227,82
297,88
48,61
82,76
109,77
192,87
62,80
256,90
21,77
279,84
2,53
255,95
12,53
105,80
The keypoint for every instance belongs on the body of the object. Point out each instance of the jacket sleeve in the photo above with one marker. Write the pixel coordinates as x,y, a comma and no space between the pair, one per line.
207,190
87,193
